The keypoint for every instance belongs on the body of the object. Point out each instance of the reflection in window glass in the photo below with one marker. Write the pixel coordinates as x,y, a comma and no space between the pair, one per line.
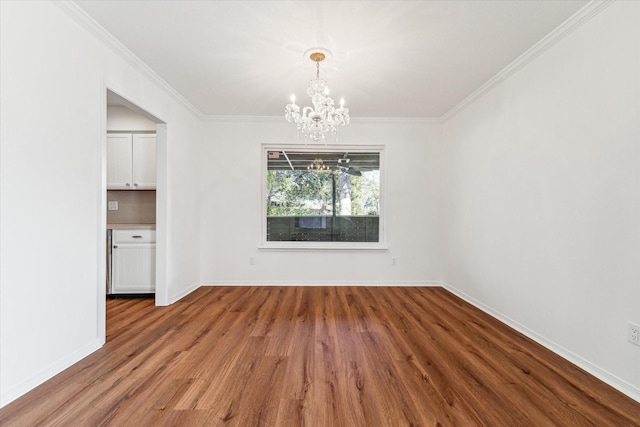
323,196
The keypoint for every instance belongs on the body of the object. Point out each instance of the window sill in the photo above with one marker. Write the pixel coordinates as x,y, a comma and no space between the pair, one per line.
332,246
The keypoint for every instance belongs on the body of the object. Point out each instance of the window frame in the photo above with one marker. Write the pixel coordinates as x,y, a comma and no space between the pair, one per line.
303,245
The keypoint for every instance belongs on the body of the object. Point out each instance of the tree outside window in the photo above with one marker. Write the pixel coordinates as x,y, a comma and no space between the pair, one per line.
323,196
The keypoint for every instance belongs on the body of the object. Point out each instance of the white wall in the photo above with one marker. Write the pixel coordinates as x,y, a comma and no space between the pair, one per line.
231,197
541,220
121,118
53,106
542,197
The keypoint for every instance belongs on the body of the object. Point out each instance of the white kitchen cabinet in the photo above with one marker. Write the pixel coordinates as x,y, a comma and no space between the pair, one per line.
131,161
133,257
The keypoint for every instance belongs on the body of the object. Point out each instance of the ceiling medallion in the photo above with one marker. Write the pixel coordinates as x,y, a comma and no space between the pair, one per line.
316,122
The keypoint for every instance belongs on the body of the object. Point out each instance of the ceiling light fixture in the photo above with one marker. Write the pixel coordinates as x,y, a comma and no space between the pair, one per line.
315,123
317,165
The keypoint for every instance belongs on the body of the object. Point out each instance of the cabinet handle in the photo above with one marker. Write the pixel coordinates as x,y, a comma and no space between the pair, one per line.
128,185
137,237
135,185
115,246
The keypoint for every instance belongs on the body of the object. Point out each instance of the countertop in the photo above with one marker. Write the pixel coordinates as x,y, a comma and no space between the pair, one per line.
132,226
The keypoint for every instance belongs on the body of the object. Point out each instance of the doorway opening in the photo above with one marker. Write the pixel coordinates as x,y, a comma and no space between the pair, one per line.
133,203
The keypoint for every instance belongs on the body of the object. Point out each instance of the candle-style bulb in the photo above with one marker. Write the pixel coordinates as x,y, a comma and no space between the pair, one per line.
341,102
293,98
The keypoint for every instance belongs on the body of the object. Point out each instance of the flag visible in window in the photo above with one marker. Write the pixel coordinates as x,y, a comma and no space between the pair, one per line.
274,154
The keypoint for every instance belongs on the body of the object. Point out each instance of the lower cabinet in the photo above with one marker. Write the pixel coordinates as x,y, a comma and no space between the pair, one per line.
133,262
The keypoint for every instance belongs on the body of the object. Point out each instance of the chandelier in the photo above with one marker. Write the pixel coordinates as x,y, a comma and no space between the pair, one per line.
323,118
317,165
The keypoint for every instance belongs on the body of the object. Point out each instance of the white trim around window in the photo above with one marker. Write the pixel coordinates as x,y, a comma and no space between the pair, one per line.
321,245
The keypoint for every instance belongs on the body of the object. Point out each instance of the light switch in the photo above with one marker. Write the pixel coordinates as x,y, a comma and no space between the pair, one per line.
113,205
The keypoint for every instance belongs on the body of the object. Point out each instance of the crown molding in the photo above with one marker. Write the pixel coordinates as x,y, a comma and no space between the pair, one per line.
86,21
396,120
590,10
280,119
244,119
587,12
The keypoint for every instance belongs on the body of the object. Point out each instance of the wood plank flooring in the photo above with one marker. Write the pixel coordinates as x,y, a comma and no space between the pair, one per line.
318,356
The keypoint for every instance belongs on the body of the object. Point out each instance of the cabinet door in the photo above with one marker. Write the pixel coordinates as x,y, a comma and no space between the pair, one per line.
134,268
119,162
144,162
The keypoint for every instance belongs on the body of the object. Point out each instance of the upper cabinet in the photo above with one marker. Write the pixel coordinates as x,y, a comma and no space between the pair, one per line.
131,161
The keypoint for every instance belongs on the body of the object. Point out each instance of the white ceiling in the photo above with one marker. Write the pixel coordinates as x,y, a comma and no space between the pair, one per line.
390,58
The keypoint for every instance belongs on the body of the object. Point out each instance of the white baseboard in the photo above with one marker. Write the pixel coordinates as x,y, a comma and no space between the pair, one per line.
615,382
421,283
183,293
43,375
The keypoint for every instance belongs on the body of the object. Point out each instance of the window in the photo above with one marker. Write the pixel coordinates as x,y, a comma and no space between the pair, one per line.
322,197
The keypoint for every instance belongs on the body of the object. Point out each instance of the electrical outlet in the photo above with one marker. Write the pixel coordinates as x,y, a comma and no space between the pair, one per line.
252,261
113,205
394,262
633,334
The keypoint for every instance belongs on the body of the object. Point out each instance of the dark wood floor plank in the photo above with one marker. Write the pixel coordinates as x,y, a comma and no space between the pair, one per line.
318,356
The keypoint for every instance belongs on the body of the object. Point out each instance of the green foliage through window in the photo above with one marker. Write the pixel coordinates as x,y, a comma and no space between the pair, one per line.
311,193
322,196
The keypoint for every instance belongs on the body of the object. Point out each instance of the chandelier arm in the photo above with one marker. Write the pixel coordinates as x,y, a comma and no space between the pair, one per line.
306,111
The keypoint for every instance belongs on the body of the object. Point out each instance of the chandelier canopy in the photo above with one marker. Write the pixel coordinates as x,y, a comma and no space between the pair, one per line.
323,118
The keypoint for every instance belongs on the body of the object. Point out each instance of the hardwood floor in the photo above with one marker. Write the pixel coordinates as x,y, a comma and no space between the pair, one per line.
318,356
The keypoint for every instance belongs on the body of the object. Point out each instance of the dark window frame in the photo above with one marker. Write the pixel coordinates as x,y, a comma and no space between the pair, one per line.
309,236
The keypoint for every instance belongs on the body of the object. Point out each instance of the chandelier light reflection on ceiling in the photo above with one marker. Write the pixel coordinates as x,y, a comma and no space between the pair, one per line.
316,122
